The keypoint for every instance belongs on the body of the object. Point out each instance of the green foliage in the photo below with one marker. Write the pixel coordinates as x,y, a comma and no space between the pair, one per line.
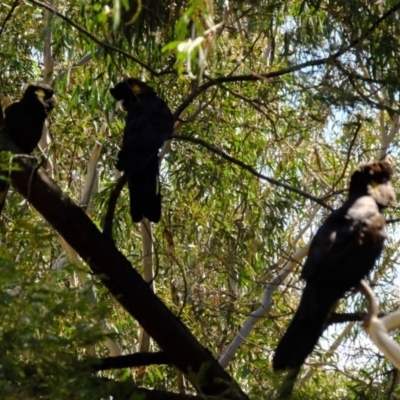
231,231
45,326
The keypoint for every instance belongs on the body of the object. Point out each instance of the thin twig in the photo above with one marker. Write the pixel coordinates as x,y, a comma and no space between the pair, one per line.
249,168
127,361
9,15
366,99
94,38
346,164
392,221
112,203
339,318
274,74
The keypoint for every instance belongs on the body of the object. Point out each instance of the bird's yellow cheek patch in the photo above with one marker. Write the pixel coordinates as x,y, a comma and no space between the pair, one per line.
40,93
375,187
136,89
374,184
377,190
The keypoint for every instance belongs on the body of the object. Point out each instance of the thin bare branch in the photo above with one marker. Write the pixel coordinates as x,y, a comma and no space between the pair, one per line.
265,306
378,328
89,187
148,276
249,168
387,138
128,361
112,203
48,60
83,61
346,164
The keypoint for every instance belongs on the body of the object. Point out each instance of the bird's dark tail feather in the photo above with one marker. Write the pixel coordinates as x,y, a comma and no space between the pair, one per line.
144,192
306,327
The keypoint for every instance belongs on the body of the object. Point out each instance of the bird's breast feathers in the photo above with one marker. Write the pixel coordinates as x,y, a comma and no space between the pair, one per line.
363,209
368,222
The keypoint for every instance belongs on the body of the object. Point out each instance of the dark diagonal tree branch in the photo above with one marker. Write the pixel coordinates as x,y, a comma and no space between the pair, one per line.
105,387
128,390
249,168
123,281
128,361
349,317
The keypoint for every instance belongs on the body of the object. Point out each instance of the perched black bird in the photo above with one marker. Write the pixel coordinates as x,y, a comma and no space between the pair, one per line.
343,251
24,120
148,125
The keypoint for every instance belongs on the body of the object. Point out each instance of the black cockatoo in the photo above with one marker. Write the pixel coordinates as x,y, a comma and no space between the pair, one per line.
24,120
343,252
148,125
